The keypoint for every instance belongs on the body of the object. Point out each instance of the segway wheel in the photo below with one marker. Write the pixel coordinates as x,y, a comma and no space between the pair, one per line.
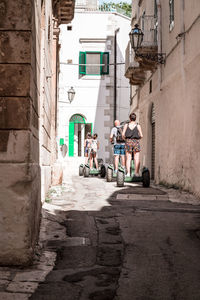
120,178
80,170
86,172
103,171
146,178
109,175
100,161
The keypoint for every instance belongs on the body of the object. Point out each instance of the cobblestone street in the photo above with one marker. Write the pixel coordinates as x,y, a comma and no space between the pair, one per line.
101,242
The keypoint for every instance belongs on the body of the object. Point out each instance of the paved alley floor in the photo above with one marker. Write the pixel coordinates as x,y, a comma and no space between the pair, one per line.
100,242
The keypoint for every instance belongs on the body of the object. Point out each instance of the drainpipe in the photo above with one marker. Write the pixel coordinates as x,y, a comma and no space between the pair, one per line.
183,25
158,2
115,74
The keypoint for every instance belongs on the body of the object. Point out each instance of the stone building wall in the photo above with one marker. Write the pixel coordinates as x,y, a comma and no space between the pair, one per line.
19,141
29,65
48,95
175,95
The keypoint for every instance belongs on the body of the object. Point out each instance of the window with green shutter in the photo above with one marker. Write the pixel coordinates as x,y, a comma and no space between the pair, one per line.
93,63
82,62
105,61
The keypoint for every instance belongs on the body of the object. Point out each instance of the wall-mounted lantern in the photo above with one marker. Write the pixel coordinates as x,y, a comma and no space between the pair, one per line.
71,93
136,37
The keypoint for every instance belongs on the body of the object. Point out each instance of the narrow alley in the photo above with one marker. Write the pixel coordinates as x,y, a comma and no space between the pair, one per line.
112,243
99,150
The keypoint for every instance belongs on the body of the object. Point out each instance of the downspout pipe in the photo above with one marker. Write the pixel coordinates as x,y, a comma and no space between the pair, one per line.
115,75
158,2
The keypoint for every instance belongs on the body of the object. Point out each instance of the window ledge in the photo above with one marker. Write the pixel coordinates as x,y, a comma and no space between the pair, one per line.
92,77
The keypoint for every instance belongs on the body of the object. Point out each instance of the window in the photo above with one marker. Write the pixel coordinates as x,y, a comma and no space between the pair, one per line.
150,86
69,27
143,21
155,9
171,14
49,30
93,63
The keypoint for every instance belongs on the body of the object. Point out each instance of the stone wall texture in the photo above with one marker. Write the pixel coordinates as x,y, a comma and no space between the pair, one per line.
19,143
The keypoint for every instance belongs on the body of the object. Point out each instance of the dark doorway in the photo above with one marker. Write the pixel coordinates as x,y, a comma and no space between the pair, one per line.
153,141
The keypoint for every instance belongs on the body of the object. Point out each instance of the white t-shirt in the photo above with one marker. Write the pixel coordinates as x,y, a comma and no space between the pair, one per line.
94,145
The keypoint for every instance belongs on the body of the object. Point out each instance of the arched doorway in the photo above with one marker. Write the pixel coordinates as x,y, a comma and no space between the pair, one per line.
78,129
153,127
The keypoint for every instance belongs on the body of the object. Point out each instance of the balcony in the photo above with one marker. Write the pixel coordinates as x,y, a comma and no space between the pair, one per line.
136,66
63,10
133,71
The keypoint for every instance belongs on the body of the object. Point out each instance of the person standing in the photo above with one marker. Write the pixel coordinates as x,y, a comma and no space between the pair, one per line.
132,133
93,151
87,145
119,144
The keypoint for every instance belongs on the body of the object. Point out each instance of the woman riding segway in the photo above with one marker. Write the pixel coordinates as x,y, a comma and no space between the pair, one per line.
132,133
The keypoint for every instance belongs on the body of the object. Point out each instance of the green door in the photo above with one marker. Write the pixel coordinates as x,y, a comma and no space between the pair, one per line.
77,119
71,138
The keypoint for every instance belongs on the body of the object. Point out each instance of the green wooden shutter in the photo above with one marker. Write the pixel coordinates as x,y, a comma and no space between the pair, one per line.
71,139
82,60
105,60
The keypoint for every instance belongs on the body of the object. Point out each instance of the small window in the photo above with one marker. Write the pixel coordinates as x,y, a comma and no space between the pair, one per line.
150,86
49,30
69,27
171,14
93,63
143,20
155,9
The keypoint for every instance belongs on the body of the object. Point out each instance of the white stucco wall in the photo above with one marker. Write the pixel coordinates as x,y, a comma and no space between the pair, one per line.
94,94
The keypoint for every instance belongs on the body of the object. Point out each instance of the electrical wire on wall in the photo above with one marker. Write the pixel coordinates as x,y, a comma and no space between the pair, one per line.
96,65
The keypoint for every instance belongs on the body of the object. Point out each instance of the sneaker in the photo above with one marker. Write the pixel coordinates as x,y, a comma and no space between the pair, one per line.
128,175
115,171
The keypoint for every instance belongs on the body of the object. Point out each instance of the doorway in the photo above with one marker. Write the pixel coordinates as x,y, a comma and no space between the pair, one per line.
78,129
153,134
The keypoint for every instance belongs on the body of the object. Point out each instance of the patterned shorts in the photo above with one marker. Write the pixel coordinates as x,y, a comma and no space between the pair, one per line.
133,145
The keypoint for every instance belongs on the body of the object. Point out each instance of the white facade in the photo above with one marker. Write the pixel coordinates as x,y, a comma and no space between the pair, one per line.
94,99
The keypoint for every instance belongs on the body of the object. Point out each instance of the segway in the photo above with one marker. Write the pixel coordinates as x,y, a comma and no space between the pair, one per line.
81,167
121,178
84,170
110,174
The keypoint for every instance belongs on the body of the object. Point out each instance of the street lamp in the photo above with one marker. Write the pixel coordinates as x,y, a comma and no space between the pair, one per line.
71,93
136,37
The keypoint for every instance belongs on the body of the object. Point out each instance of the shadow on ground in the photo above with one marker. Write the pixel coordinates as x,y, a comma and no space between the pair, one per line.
130,249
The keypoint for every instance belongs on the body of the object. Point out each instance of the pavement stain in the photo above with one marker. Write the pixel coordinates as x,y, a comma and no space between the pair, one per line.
109,256
104,275
107,294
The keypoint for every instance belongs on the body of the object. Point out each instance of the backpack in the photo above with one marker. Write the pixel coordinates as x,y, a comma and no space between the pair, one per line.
119,138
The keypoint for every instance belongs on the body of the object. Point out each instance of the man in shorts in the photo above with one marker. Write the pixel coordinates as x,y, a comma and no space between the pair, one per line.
119,144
